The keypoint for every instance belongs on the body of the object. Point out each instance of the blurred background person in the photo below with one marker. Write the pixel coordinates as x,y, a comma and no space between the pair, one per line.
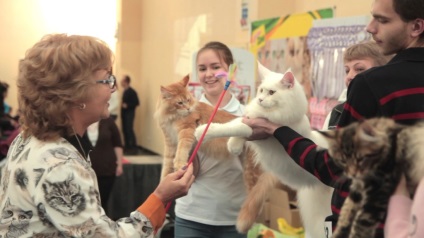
106,156
114,104
129,103
357,58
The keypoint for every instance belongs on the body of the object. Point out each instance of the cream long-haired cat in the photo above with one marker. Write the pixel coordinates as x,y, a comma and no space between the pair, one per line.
280,99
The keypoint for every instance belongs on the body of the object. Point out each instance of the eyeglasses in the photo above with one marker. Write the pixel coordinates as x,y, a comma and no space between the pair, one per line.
111,81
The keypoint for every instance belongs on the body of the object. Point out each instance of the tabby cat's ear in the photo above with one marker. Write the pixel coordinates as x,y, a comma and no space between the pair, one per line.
367,132
262,71
288,79
328,134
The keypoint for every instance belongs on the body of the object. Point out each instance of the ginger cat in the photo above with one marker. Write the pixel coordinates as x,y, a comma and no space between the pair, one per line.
280,99
178,114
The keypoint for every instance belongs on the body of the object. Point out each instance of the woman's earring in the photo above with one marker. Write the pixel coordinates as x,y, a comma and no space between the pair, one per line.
82,106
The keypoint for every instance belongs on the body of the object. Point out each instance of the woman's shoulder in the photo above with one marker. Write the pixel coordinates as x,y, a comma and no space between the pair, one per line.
31,150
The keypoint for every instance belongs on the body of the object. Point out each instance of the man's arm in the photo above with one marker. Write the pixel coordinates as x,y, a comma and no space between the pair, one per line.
306,154
361,102
302,150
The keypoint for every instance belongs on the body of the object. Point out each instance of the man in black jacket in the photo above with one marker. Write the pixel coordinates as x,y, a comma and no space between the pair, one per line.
129,103
395,90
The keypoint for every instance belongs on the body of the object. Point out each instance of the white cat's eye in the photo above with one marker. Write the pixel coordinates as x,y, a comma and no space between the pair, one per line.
271,92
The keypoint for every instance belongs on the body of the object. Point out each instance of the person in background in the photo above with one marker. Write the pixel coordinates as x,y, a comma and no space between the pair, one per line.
8,124
357,58
114,104
106,156
48,188
211,207
393,90
129,103
405,216
4,90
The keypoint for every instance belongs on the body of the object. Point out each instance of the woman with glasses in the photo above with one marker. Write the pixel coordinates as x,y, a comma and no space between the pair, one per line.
48,188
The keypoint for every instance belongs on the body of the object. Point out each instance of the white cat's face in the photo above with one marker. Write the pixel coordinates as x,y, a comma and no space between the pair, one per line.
273,90
280,97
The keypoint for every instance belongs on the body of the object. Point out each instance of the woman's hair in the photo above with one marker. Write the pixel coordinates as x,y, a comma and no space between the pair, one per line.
127,79
220,49
54,75
409,10
363,50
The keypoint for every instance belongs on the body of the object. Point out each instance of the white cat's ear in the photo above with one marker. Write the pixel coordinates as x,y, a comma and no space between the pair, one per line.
288,79
262,71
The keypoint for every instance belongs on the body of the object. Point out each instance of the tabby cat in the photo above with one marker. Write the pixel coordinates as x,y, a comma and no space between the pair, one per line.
374,153
280,99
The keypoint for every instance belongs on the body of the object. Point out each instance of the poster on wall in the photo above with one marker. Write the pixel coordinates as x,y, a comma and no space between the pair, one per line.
280,43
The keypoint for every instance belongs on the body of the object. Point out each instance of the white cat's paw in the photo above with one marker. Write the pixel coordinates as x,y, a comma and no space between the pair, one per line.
210,134
235,145
199,131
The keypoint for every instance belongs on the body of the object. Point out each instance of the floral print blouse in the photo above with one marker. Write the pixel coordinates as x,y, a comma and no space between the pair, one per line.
48,189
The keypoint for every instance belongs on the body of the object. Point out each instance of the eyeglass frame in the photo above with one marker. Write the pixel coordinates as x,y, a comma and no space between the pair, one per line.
111,80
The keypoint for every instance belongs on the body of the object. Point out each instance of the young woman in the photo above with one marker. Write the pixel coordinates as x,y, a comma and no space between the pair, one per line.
211,207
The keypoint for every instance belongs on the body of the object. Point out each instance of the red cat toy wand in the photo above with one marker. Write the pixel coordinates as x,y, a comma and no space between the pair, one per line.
230,78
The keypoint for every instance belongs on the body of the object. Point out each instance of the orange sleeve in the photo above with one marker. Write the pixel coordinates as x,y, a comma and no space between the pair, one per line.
154,210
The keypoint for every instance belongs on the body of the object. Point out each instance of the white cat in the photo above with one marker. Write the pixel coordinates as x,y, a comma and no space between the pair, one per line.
280,99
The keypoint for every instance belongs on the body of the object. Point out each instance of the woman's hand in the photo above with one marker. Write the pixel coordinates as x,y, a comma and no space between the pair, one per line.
119,170
175,185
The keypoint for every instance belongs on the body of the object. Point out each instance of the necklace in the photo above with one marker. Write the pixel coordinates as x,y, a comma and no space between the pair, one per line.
79,143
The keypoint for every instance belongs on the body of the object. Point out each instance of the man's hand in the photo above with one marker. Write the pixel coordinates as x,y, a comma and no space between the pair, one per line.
262,128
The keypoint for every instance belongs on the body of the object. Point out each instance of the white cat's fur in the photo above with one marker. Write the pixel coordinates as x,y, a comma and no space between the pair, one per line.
286,106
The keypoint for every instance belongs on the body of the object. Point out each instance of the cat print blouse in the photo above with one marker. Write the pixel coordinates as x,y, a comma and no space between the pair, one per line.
48,189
